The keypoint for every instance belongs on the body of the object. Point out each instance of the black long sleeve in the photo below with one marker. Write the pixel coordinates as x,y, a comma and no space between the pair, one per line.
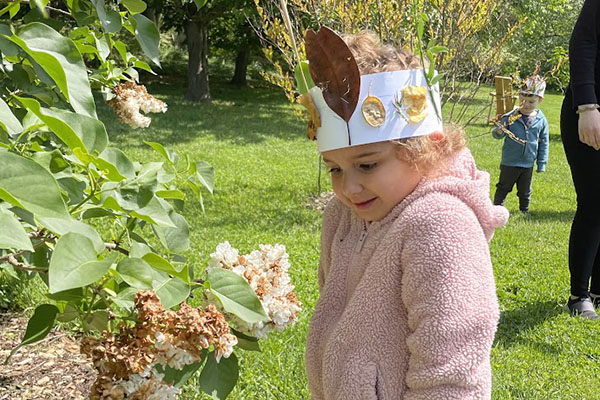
583,55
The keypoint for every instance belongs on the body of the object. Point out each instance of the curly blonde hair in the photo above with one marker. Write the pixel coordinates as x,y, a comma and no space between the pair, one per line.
428,152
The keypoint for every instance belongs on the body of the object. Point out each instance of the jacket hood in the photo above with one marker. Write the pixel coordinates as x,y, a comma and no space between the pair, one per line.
462,179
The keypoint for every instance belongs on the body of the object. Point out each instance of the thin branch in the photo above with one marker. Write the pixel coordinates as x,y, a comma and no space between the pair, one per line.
19,265
116,247
7,257
58,10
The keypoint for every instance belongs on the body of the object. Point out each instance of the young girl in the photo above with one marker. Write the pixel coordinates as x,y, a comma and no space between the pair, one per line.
407,306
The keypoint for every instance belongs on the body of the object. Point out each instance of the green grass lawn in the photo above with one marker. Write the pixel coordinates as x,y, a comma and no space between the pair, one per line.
265,173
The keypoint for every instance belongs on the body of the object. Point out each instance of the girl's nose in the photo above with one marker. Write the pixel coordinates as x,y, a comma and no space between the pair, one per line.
351,185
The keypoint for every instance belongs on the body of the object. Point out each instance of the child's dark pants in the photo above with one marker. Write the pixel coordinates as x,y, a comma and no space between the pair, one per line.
508,177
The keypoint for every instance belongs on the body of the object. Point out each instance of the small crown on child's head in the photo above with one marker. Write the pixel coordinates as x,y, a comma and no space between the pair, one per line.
534,84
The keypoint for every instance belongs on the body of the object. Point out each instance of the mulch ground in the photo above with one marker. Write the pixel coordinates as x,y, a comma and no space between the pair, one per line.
52,369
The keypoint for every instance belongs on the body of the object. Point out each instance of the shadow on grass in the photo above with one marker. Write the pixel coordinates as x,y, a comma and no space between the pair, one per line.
514,324
555,137
542,216
244,115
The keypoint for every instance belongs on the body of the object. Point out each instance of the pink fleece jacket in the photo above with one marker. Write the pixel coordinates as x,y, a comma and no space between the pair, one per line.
407,306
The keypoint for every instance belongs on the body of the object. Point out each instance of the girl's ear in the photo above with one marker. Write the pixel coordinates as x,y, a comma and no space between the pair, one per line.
436,136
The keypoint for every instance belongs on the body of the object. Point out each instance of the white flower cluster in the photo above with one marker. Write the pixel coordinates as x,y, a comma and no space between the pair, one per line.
172,355
129,99
147,385
266,270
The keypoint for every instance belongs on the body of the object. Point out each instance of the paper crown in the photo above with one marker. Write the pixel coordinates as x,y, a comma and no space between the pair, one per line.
350,109
533,84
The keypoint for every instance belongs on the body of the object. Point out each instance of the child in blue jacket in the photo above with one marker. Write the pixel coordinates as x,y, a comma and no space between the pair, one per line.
525,134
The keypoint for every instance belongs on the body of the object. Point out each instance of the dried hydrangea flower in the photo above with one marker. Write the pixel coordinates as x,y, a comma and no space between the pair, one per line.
125,359
129,98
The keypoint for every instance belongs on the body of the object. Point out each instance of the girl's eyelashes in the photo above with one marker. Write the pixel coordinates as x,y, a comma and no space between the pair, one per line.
367,166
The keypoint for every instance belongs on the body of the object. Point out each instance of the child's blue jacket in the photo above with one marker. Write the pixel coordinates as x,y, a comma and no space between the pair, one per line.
515,154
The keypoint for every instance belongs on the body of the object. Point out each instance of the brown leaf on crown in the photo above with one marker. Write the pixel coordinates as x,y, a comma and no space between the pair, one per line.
315,120
334,70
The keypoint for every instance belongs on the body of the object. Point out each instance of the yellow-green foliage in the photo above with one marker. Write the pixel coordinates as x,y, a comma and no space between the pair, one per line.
465,27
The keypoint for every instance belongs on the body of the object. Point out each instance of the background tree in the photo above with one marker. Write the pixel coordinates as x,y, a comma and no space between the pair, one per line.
542,39
195,20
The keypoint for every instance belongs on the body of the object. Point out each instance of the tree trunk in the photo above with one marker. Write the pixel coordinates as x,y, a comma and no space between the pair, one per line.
241,66
197,42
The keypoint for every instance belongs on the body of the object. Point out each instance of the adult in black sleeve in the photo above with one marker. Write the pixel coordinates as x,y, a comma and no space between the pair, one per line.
580,132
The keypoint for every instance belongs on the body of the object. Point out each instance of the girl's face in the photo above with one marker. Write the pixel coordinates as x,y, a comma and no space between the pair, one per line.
371,179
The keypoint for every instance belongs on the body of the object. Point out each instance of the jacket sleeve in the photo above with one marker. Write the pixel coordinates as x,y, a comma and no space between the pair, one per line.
449,293
497,132
543,145
583,47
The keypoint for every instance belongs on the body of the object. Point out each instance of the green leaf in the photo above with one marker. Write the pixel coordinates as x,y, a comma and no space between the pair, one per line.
176,240
171,194
117,163
133,73
128,197
304,80
436,79
74,263
200,3
169,155
178,377
62,226
68,314
7,47
41,5
71,295
122,49
170,291
138,250
96,321
438,49
74,189
38,327
236,295
148,37
110,20
160,264
12,234
143,65
205,174
219,378
420,28
136,272
134,6
60,59
8,121
246,342
431,66
125,298
156,212
26,184
53,160
102,46
75,130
